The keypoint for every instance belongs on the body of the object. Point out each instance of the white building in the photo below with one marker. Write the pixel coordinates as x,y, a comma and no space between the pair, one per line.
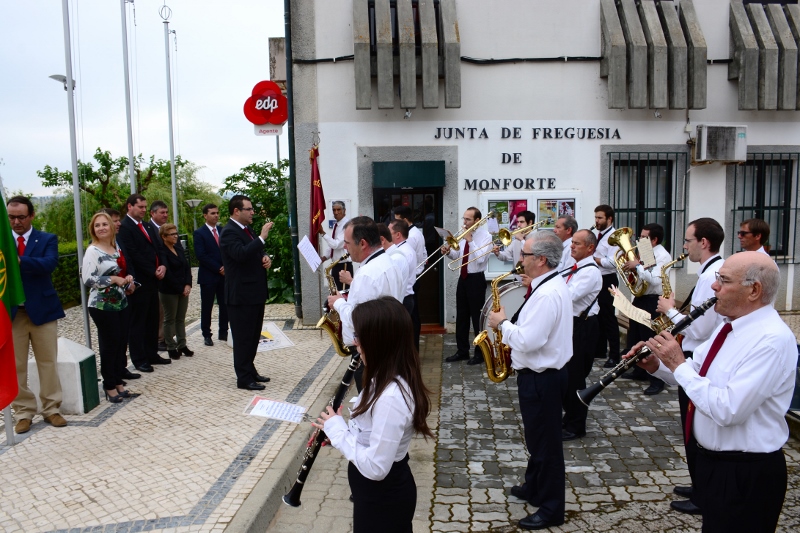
432,115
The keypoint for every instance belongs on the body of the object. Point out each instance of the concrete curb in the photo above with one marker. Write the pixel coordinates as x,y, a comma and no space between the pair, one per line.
259,508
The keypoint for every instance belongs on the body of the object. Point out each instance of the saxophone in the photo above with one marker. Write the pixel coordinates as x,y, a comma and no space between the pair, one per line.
663,322
496,354
330,318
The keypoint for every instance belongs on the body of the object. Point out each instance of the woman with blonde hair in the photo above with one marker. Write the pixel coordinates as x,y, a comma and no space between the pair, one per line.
174,291
105,274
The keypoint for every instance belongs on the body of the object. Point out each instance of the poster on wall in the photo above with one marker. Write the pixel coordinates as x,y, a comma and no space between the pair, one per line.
508,210
550,210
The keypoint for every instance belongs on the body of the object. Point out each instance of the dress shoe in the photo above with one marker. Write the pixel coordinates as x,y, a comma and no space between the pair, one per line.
518,492
23,425
535,521
158,360
610,363
186,351
684,491
56,420
569,435
475,360
457,357
638,376
113,399
222,338
127,374
654,388
685,506
162,346
144,368
251,386
173,354
262,379
207,341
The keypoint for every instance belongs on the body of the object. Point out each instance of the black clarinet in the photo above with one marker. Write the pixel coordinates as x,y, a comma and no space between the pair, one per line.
587,395
318,437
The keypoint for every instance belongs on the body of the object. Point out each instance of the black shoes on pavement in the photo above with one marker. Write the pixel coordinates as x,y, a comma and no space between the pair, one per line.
654,388
567,435
251,386
127,374
207,341
457,357
684,491
535,521
144,368
685,506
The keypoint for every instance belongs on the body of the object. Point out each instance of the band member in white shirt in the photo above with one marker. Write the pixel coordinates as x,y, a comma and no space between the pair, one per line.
564,229
335,243
511,253
604,257
584,283
398,229
540,338
740,383
416,240
753,235
471,288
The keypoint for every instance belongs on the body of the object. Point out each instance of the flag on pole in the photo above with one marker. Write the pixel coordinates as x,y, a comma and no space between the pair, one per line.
11,295
317,197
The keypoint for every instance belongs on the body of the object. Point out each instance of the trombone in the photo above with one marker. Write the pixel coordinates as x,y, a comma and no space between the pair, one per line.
452,241
503,236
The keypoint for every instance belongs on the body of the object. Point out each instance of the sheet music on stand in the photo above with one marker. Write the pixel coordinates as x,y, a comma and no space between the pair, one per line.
309,253
646,255
625,307
443,233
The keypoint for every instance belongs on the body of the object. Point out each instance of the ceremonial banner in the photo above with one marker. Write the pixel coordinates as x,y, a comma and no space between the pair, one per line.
317,213
11,295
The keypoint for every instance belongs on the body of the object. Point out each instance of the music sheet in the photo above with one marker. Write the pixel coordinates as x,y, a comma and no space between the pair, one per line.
625,307
264,407
646,255
309,253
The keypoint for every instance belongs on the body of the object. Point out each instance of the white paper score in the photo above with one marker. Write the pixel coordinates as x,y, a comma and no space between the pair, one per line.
264,407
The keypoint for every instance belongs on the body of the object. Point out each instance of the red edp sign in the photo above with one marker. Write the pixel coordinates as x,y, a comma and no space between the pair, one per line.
266,106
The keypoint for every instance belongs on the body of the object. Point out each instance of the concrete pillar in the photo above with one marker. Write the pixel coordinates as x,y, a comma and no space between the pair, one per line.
430,54
613,64
361,55
744,53
767,57
657,56
697,55
408,61
637,54
385,66
452,53
787,57
677,75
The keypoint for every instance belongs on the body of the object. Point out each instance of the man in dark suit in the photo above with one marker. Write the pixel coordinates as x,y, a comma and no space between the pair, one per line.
211,274
246,289
142,250
34,323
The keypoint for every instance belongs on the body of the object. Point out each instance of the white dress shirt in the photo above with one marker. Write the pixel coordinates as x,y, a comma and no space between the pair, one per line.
653,275
566,256
700,330
480,238
409,263
376,277
542,337
605,252
584,285
246,230
376,439
763,251
741,401
336,243
511,253
417,242
25,236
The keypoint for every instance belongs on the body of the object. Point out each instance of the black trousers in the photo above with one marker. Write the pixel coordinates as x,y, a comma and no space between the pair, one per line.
335,273
740,491
584,339
540,397
246,322
638,332
609,330
112,337
208,292
143,333
415,320
387,505
470,293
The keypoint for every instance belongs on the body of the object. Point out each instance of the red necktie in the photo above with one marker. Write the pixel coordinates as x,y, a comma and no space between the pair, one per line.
216,237
21,245
712,353
247,230
464,261
141,227
574,269
334,236
599,235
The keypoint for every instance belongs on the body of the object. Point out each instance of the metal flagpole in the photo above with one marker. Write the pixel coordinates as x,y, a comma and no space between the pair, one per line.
73,145
165,13
127,93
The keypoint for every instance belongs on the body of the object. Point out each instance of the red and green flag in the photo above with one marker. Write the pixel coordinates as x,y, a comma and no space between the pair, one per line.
11,295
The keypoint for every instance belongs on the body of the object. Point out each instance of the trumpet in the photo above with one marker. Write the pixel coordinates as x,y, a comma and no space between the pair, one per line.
504,237
452,241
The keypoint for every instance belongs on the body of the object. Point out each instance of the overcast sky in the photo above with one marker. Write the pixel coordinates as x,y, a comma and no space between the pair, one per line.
222,53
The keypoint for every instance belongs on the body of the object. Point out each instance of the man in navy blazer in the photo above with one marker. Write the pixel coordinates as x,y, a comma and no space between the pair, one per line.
246,290
34,323
211,274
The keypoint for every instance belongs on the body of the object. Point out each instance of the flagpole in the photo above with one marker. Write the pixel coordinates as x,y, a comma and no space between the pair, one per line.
127,94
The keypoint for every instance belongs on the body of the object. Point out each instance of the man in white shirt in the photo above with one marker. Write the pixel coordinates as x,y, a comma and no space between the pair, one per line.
540,338
377,276
584,283
564,229
702,241
471,288
399,232
604,257
753,235
336,243
649,301
416,240
740,384
511,253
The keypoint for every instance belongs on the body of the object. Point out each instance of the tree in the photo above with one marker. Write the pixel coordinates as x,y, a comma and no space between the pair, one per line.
265,185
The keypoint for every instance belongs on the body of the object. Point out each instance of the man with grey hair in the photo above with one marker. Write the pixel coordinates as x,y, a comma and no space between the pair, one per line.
740,384
336,243
540,337
566,227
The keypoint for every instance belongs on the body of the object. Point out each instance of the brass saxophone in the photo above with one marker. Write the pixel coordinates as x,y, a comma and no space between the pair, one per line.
496,354
330,318
663,322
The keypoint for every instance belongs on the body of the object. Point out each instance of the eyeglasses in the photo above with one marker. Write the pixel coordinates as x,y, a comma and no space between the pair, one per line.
20,218
170,234
743,233
523,255
247,209
724,281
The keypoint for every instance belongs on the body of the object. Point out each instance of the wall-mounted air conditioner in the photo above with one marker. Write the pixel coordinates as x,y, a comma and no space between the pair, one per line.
721,143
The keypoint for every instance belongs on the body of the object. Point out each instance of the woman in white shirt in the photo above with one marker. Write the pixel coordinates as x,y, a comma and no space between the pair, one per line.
389,411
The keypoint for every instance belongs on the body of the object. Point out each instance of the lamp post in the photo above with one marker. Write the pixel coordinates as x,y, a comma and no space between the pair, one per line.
193,203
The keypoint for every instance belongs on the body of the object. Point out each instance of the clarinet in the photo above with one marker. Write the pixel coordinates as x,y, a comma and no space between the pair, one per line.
292,497
587,395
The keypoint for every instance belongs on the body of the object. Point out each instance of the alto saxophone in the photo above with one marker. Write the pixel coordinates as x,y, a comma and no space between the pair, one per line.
663,322
330,318
496,354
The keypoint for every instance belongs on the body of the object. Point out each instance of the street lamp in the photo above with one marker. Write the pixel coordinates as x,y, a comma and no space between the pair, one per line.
193,203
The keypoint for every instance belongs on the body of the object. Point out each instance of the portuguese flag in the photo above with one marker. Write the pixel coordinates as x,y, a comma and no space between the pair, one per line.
11,295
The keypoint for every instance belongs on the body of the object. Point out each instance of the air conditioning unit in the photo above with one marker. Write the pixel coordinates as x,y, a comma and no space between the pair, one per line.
721,143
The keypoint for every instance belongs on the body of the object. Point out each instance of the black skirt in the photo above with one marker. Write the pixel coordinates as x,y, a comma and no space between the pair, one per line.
387,505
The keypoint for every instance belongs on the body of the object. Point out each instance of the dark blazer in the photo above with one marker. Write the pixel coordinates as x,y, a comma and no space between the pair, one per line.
140,252
245,277
179,273
208,255
36,268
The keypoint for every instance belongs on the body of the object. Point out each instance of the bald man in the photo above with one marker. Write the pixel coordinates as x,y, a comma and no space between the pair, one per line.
740,384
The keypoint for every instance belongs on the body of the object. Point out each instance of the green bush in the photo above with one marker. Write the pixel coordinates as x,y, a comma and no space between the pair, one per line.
65,277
